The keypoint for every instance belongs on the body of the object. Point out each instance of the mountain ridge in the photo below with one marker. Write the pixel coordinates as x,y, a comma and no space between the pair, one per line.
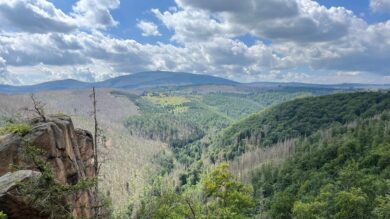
151,79
136,80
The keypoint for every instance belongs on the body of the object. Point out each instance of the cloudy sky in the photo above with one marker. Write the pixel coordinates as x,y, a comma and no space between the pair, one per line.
323,41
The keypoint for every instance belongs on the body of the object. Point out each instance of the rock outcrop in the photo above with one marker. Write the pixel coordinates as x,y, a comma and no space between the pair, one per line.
11,202
68,151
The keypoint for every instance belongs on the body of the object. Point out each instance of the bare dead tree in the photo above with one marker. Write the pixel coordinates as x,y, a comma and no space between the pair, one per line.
99,159
95,152
38,107
96,130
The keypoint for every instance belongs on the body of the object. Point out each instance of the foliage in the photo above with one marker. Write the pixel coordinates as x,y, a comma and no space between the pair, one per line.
165,161
297,118
185,120
239,105
382,209
2,215
226,197
174,104
16,128
44,192
218,196
341,172
165,128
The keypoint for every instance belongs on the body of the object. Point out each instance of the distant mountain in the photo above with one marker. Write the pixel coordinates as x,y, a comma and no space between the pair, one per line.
137,80
163,78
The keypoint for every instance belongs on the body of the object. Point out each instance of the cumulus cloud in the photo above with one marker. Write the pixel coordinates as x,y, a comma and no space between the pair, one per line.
194,26
288,34
305,34
289,20
5,76
41,16
31,49
38,16
148,28
265,9
95,13
380,6
364,50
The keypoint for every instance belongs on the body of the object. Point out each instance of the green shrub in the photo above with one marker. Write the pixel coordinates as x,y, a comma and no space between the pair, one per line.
16,128
2,215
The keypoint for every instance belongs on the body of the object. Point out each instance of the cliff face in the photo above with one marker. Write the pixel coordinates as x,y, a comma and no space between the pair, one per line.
69,153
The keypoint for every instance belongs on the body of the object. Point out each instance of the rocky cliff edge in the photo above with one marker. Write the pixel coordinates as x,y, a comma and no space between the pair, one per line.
69,153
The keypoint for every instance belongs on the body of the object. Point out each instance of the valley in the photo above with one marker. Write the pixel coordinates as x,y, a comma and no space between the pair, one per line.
163,142
194,109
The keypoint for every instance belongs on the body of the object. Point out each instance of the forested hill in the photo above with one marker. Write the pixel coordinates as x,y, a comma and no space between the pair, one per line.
338,165
341,172
296,118
137,80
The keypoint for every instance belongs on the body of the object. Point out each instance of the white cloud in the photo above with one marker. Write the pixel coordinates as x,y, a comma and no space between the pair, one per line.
41,16
192,26
348,73
5,76
288,20
296,77
95,13
38,16
148,28
23,49
380,6
288,34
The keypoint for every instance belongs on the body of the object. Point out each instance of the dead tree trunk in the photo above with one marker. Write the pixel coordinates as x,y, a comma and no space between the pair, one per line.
95,152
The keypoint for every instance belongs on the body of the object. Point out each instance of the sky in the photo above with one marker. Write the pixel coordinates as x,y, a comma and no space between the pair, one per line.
323,41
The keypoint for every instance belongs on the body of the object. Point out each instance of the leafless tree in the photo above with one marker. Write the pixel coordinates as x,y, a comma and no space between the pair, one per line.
99,159
95,152
38,107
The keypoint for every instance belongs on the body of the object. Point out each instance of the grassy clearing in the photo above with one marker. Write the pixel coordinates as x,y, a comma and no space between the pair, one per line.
16,128
174,104
164,100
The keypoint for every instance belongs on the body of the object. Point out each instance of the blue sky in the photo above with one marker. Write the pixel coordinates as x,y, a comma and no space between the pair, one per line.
323,41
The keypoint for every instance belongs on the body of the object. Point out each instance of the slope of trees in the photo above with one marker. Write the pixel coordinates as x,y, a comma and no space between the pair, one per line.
341,172
182,120
338,165
298,118
237,105
219,195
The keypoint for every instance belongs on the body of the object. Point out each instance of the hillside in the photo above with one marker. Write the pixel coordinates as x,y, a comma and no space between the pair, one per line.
298,118
168,139
145,133
162,78
185,121
341,172
331,162
137,80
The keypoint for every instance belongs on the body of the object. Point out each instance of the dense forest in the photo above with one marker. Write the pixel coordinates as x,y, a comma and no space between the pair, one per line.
298,118
339,167
272,154
340,172
187,121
